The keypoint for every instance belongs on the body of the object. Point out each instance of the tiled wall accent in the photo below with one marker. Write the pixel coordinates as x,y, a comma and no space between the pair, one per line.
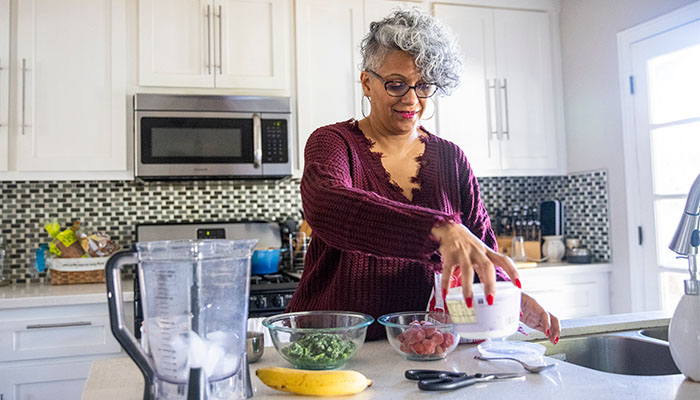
115,207
585,198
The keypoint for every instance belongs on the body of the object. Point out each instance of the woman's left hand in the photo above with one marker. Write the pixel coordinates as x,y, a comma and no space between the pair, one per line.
538,318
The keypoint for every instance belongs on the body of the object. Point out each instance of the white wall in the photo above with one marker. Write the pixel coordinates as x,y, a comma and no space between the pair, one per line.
592,107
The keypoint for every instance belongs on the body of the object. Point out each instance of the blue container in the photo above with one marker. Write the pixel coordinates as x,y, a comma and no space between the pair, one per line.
265,262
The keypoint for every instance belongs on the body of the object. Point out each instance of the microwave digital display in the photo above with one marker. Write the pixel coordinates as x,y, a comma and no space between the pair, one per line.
196,142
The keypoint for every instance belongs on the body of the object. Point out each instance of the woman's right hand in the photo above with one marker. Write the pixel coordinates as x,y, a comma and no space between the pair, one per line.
461,248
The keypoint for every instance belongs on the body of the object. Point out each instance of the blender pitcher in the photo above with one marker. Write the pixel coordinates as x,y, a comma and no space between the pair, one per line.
194,296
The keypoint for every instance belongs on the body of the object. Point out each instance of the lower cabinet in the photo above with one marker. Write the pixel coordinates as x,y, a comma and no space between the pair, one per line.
571,291
47,352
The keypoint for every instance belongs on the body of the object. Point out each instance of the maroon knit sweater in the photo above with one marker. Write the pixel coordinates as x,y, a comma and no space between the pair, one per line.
372,250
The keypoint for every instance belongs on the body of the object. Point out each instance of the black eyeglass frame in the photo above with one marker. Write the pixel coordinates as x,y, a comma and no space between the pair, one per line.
408,87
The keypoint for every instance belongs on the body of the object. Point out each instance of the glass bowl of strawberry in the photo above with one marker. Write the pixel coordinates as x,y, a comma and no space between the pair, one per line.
421,336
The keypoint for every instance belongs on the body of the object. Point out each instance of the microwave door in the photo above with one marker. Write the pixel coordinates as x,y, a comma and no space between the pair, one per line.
176,144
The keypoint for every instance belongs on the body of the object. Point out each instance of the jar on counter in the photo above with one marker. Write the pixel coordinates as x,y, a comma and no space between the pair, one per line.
553,248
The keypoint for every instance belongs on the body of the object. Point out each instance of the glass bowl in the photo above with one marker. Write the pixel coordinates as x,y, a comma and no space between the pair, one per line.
318,339
422,335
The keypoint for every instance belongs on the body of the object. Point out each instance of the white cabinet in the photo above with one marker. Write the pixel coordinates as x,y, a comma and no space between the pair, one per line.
570,291
68,106
4,81
238,44
505,115
328,35
46,352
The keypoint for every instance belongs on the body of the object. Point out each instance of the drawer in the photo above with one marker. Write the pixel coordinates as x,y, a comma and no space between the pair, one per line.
62,332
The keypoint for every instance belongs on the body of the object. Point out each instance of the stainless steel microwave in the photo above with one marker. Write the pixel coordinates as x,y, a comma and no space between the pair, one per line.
212,137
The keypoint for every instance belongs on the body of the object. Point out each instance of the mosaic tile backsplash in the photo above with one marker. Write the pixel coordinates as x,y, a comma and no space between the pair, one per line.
115,207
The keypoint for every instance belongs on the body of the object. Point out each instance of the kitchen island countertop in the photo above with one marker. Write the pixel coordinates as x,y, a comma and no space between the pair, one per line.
120,378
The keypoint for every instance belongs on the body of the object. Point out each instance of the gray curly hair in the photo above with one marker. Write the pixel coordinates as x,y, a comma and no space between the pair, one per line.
431,43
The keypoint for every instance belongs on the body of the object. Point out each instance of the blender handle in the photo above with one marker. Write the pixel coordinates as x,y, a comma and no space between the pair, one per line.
116,316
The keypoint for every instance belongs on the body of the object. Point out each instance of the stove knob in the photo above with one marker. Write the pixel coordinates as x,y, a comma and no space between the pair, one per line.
261,302
278,300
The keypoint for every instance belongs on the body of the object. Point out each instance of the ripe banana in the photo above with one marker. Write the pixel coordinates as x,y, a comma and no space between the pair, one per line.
313,383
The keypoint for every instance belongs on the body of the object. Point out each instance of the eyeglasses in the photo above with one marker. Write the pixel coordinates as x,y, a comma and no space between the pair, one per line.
400,88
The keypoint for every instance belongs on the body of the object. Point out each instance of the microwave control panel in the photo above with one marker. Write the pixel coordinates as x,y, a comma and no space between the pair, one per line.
274,141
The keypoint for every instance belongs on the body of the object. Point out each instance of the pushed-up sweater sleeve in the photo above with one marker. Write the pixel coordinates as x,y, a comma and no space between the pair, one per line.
352,219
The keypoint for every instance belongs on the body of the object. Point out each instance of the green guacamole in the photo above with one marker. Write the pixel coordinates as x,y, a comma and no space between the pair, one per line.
319,351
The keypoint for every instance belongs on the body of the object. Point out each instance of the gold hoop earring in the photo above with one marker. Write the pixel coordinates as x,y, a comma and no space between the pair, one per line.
362,105
431,115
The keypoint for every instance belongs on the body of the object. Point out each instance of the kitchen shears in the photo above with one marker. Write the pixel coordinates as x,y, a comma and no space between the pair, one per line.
429,379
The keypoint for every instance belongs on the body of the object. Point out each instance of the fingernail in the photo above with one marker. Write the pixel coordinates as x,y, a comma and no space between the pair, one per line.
556,340
444,294
517,283
469,301
521,314
547,332
489,299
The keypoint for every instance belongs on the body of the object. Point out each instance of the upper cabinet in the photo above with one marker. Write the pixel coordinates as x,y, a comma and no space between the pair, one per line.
328,35
506,114
235,44
4,81
68,106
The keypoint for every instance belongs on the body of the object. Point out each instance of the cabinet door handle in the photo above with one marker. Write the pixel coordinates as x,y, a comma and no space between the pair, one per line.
208,17
221,54
491,121
504,116
0,127
59,325
257,141
24,91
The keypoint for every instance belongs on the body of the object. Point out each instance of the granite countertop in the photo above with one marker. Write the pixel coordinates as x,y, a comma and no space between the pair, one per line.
43,294
120,378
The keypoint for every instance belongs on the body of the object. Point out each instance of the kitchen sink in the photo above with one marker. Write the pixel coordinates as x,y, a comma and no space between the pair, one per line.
660,333
627,353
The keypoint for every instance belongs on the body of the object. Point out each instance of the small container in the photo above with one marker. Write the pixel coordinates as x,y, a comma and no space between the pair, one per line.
484,321
254,345
265,261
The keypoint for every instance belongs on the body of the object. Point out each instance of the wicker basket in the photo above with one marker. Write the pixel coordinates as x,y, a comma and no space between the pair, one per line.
69,271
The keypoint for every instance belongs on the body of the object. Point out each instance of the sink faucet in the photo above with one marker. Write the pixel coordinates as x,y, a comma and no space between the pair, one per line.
686,240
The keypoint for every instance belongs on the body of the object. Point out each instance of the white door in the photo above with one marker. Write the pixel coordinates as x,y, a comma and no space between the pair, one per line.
251,44
71,85
525,90
4,81
176,43
328,46
666,96
468,117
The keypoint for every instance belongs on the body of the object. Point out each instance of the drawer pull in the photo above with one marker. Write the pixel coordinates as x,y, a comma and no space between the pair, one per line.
59,325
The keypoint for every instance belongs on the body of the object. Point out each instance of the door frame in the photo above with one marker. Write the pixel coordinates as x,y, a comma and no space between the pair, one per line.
640,283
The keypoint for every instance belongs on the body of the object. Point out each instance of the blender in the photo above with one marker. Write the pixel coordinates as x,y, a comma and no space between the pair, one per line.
195,302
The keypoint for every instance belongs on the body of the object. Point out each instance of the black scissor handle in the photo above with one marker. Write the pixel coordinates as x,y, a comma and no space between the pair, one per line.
447,383
423,374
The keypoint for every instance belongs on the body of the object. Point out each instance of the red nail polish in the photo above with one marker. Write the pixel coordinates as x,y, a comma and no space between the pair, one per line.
556,340
469,301
444,294
517,283
547,332
521,314
489,299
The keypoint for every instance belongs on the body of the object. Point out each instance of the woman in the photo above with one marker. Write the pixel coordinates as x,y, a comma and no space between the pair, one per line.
391,204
